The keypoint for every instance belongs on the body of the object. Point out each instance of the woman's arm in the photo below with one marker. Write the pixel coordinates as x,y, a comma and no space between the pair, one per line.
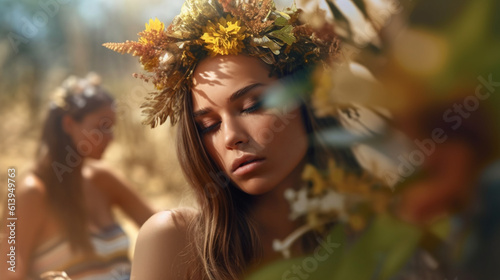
30,211
122,195
160,251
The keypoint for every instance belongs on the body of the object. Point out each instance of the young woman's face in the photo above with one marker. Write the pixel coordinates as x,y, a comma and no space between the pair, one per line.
93,133
258,148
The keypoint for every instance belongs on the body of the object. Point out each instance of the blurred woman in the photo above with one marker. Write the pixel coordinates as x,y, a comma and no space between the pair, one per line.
65,220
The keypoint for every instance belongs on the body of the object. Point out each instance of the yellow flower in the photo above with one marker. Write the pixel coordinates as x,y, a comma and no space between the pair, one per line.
310,173
154,25
225,37
322,97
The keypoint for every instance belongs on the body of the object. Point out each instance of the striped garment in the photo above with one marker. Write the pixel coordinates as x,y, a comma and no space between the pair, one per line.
110,261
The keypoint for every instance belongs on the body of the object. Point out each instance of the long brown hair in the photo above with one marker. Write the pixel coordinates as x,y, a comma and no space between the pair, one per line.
223,236
58,163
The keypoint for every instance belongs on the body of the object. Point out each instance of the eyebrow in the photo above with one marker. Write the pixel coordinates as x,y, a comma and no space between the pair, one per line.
237,94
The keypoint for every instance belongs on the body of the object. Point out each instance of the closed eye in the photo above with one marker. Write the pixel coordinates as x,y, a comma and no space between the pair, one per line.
255,107
206,129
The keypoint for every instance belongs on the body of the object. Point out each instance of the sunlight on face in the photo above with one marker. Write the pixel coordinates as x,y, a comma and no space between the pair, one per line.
258,148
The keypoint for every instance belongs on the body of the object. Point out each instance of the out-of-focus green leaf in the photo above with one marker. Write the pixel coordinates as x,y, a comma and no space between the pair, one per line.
289,91
292,269
470,46
381,251
378,253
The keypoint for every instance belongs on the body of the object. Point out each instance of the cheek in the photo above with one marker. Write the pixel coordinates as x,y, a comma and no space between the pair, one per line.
77,135
283,131
294,137
82,145
90,141
214,148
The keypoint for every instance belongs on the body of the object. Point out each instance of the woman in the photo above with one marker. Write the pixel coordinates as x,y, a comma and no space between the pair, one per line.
213,67
65,220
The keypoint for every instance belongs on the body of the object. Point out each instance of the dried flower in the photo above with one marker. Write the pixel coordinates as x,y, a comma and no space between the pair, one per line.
154,26
167,60
224,37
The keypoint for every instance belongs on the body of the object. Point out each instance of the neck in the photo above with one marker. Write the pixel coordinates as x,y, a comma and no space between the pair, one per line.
271,212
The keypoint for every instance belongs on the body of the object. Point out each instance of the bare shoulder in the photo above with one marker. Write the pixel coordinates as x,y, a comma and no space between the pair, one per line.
31,207
168,226
177,219
102,176
162,250
32,189
32,200
98,171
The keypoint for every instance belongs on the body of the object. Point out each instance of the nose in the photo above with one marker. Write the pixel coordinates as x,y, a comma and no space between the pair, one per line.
234,133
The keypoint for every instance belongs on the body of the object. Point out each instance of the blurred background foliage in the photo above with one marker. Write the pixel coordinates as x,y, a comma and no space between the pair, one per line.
43,42
436,66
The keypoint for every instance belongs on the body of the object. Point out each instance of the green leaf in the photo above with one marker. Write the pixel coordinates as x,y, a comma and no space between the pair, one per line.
265,42
281,21
315,266
378,253
285,34
381,251
469,38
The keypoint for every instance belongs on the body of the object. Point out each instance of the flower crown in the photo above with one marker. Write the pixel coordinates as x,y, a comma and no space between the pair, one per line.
221,27
75,92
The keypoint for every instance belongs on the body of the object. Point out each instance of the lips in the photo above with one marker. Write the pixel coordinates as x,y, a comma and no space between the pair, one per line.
244,160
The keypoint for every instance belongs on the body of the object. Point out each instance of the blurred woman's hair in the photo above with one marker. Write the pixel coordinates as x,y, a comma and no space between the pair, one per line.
223,236
75,98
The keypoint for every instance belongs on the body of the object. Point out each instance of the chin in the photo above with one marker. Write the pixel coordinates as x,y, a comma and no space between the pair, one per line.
255,187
